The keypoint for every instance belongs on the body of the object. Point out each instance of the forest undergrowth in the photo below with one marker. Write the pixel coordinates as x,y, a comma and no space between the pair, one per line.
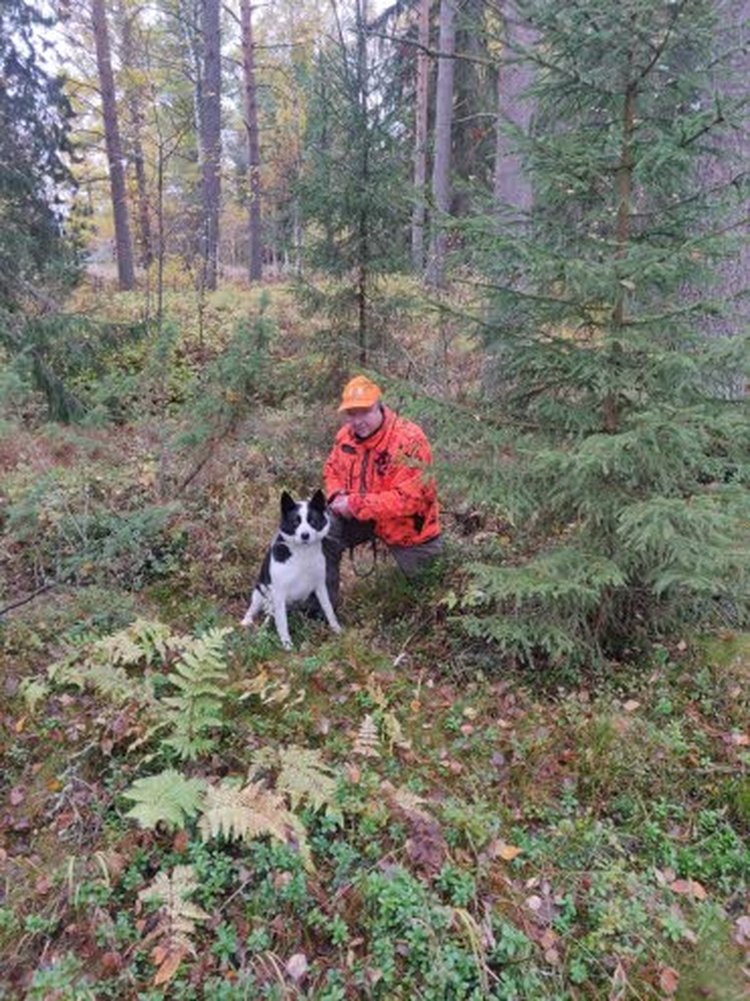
188,811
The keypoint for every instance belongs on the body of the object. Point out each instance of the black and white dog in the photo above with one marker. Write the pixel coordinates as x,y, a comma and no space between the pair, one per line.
294,567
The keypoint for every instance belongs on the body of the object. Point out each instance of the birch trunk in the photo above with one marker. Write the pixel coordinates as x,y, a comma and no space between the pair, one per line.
441,166
255,257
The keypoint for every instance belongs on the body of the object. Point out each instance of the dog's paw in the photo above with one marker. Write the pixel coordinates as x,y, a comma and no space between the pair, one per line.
246,621
337,628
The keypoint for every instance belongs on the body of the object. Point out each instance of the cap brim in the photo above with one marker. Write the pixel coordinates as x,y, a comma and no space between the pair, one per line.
359,404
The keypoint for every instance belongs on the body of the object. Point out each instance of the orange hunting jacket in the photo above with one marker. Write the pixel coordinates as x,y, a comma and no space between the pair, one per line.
386,480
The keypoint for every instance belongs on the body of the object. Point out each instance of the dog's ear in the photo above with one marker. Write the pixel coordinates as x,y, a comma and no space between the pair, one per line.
318,501
288,503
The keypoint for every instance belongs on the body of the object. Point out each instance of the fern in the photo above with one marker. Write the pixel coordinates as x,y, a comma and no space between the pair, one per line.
177,917
393,732
113,682
103,669
250,812
367,740
304,775
199,676
143,640
167,798
33,691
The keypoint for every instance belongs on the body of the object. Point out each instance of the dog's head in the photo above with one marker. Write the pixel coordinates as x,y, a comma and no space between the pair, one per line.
304,522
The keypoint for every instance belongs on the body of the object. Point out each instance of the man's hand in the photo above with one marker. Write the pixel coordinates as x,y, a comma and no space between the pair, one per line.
340,506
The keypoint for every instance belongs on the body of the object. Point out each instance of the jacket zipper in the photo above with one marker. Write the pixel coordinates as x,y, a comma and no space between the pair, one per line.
363,473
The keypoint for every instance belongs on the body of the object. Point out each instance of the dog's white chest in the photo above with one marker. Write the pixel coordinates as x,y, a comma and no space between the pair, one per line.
297,577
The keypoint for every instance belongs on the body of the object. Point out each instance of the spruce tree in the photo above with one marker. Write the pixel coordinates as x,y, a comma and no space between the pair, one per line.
354,189
627,472
34,116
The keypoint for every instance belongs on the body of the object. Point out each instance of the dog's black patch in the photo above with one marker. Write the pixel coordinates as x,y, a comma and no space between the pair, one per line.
316,511
281,551
290,520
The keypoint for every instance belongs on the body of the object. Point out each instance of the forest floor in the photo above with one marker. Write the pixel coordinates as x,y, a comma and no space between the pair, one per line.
188,811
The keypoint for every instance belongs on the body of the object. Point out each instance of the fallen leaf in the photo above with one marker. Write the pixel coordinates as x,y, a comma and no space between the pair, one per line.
548,939
353,773
168,963
111,962
17,795
740,739
669,980
619,983
297,966
180,842
534,902
43,885
631,705
742,930
508,852
688,888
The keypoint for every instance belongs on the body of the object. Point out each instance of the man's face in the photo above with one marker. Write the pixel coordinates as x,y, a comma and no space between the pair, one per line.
364,420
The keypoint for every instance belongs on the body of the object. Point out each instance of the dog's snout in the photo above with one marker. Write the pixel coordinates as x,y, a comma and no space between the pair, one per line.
304,536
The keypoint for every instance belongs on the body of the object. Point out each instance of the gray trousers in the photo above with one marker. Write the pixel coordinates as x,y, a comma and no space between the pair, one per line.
348,533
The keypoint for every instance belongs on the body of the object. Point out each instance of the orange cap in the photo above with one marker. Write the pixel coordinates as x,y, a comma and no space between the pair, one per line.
359,392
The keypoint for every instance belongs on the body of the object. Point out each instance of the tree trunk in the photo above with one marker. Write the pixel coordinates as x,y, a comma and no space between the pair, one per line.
123,244
134,103
253,145
512,190
363,227
420,139
211,141
441,166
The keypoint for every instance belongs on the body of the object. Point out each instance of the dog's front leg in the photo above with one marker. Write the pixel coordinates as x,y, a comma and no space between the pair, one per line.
282,625
321,593
256,603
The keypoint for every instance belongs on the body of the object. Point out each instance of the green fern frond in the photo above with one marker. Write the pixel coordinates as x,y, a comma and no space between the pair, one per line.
167,798
113,682
33,691
200,679
393,732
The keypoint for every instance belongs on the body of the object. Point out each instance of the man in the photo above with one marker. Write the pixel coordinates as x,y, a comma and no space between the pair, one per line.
378,483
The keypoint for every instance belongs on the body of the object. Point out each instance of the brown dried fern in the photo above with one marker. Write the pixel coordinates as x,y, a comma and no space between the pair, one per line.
250,812
366,743
176,919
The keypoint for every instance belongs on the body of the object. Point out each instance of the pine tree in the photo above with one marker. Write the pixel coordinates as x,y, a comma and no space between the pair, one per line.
629,481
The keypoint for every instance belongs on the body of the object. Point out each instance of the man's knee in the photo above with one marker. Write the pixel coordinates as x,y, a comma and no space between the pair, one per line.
413,559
